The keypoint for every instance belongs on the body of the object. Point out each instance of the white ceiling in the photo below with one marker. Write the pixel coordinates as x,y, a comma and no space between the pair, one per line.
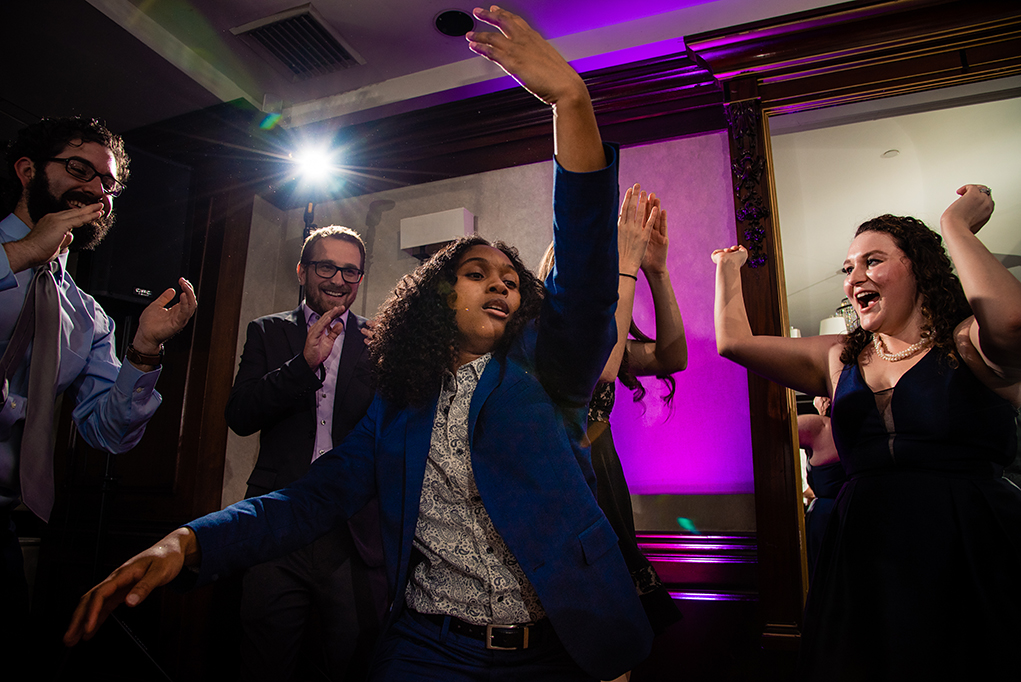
831,179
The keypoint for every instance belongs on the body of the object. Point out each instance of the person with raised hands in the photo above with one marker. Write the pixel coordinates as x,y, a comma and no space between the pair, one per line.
916,575
642,241
497,555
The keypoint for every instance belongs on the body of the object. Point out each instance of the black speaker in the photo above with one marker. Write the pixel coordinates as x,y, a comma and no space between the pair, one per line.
147,248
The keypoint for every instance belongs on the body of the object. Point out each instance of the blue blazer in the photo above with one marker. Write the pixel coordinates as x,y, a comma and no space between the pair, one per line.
526,420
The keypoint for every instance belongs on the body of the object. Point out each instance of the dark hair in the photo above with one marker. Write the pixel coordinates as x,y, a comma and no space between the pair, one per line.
48,138
331,232
629,379
415,337
943,303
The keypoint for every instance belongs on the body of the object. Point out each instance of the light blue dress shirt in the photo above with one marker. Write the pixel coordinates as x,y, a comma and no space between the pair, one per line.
112,403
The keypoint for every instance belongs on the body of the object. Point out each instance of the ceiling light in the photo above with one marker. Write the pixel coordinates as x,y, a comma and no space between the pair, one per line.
889,153
454,23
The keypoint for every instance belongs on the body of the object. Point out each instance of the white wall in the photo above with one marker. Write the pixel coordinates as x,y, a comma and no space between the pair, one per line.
830,180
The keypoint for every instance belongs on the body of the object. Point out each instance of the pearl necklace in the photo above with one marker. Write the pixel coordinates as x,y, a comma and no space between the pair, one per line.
880,347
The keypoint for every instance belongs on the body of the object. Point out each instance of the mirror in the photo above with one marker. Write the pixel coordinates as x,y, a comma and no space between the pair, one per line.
835,168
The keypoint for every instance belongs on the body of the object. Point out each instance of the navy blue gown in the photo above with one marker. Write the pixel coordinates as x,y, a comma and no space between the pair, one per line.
918,572
825,481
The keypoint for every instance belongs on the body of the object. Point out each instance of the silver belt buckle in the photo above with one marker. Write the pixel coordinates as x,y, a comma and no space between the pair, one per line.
489,636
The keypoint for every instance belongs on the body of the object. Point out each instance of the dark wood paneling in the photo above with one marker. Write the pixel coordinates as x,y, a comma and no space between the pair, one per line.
779,520
861,51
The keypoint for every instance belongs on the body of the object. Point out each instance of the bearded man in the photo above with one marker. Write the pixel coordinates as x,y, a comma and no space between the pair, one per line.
65,175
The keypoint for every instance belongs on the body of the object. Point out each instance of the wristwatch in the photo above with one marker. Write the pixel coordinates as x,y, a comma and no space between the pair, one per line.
144,358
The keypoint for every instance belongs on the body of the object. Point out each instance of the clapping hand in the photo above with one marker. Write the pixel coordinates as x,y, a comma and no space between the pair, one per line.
639,213
321,337
654,262
157,323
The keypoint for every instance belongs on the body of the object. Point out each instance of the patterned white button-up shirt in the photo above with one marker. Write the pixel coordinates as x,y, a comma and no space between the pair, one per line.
468,571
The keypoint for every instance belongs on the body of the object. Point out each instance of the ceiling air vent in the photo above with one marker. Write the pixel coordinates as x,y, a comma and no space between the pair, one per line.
299,43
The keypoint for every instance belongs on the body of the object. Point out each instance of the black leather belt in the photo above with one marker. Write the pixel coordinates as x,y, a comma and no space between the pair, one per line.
499,637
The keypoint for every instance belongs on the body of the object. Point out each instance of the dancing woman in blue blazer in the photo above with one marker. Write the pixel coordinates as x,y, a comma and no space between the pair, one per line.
497,554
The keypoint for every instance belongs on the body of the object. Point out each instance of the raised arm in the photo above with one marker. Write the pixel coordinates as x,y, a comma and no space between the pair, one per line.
576,325
668,353
537,66
994,293
638,213
809,365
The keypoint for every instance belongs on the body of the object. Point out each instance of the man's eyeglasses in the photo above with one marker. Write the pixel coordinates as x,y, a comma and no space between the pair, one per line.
85,171
327,270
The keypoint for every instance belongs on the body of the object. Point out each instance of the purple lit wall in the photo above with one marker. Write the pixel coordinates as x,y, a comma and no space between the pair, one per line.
704,446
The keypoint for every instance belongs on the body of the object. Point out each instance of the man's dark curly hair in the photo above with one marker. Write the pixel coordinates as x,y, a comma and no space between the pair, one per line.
48,138
942,299
415,337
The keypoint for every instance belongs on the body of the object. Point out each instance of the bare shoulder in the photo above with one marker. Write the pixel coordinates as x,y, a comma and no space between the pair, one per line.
1005,384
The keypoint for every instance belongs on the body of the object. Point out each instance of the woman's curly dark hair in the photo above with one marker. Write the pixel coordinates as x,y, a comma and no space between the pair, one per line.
415,337
943,303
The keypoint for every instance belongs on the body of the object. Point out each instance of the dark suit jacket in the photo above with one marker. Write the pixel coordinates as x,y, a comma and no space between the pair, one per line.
527,420
274,393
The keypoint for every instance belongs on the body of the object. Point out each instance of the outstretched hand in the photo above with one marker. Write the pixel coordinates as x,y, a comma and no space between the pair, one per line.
973,208
132,582
540,69
157,323
736,255
525,55
639,212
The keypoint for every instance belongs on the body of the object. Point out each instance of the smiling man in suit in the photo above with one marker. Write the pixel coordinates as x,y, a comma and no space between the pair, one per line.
304,382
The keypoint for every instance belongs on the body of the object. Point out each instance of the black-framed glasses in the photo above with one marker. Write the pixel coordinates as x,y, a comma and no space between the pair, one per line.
327,270
85,171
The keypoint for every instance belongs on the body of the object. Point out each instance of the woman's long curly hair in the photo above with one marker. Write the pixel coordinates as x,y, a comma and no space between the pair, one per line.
415,337
942,299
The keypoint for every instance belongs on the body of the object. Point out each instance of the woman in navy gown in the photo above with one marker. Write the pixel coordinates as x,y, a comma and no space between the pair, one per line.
917,575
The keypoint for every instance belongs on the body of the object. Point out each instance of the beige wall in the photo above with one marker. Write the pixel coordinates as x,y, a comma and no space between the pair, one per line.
704,441
513,204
